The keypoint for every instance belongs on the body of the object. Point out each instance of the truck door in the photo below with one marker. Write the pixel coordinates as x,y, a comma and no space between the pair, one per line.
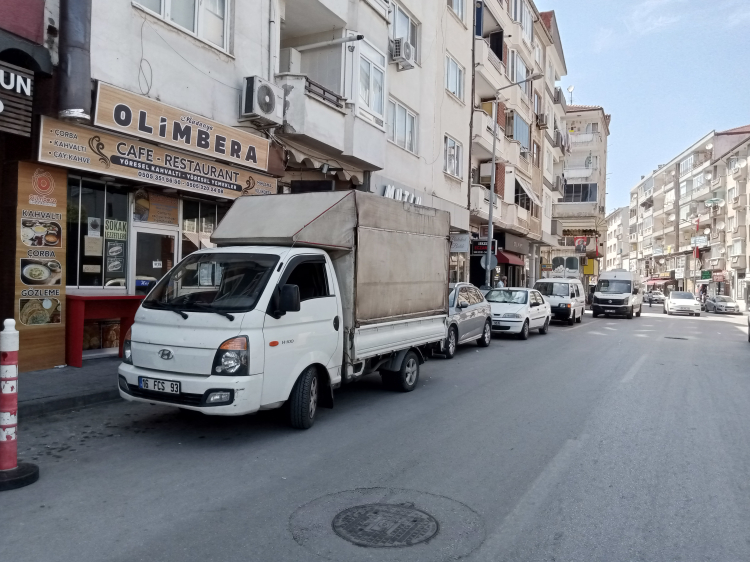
298,339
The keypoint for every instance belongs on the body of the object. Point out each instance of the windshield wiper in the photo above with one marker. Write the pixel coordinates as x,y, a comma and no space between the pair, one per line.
163,306
206,307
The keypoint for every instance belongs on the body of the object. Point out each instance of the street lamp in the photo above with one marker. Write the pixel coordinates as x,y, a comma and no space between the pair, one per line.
488,258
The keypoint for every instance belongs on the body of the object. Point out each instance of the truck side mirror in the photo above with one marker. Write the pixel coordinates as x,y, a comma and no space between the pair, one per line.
289,298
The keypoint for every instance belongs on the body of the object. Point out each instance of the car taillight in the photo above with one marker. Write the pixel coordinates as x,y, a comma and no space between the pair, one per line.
127,352
232,357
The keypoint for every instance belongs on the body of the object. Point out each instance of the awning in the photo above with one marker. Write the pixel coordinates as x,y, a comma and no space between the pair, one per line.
510,258
308,158
527,189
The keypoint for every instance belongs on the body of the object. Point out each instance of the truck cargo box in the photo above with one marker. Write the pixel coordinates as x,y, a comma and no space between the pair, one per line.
391,257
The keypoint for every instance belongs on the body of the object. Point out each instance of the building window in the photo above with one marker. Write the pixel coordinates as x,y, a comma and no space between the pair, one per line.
535,156
548,161
580,193
454,77
737,249
402,126
522,15
206,19
458,8
453,154
686,165
520,131
371,79
199,219
403,26
519,71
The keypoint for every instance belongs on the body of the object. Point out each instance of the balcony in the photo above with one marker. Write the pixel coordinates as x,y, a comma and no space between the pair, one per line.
739,202
685,199
739,173
715,264
648,251
718,183
738,262
717,237
574,210
633,220
658,212
685,248
480,204
702,192
584,140
482,138
560,99
658,232
490,72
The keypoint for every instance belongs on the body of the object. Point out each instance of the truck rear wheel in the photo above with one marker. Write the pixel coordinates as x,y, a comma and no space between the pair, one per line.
303,401
405,379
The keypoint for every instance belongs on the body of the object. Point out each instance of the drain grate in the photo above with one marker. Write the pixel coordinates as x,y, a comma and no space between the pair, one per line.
673,338
384,525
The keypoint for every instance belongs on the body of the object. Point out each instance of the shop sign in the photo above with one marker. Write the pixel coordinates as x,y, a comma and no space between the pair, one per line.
479,247
39,299
664,275
115,230
718,277
83,148
126,112
514,244
155,207
460,243
679,273
546,267
399,194
16,97
705,275
699,241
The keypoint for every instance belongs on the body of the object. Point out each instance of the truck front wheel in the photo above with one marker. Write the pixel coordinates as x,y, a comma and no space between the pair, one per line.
303,401
405,379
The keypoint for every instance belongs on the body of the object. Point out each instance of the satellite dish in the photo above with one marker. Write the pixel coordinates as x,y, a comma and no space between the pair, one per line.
662,261
709,146
571,88
721,203
709,175
707,231
671,217
720,225
742,162
723,251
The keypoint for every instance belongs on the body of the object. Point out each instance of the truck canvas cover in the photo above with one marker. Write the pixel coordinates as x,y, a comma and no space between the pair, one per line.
390,257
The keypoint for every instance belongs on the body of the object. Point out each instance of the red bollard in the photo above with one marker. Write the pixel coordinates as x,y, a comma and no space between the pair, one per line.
12,474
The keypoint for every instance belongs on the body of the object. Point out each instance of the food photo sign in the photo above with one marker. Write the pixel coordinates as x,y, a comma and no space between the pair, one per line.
41,217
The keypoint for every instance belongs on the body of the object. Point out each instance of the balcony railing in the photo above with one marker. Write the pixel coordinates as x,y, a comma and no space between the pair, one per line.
494,59
319,91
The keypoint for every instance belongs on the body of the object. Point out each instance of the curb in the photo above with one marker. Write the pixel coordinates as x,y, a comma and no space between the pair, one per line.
43,406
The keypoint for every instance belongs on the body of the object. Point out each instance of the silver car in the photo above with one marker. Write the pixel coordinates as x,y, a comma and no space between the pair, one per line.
720,303
469,318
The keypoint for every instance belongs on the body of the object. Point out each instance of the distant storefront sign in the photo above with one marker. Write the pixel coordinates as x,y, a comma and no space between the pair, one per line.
705,275
514,244
718,277
479,247
664,275
16,97
700,241
546,267
679,273
460,243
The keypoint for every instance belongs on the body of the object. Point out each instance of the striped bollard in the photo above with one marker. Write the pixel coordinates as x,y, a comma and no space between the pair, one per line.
12,474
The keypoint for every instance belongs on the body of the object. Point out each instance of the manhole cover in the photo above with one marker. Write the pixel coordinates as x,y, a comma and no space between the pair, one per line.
383,525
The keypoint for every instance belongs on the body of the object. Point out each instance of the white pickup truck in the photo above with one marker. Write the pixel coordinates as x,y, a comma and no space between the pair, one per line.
303,293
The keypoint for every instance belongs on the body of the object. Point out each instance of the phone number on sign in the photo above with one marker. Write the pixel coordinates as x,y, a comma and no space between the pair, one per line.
159,178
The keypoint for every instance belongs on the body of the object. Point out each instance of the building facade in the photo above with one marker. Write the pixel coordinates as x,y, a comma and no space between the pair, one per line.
616,254
686,219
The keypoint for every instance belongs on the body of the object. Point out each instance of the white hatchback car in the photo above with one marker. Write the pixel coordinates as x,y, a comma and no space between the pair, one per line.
682,302
518,310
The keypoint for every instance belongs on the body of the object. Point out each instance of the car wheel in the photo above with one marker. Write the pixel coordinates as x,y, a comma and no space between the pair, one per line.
664,310
572,318
596,315
303,401
748,332
544,329
451,342
630,313
580,318
486,338
524,333
406,379
638,314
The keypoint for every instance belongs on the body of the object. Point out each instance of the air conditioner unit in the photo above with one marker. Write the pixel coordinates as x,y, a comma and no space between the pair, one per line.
524,153
541,121
262,102
403,53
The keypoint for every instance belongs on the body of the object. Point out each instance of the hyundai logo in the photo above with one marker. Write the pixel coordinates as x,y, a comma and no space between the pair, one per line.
165,354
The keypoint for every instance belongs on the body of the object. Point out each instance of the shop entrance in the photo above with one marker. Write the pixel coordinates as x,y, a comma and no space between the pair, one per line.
154,250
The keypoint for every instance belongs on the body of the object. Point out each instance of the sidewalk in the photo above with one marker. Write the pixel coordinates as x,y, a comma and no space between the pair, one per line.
51,390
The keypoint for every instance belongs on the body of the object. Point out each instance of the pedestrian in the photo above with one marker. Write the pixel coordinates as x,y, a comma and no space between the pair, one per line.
650,297
503,281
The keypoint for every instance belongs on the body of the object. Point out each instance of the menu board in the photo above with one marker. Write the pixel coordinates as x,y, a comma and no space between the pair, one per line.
40,270
155,207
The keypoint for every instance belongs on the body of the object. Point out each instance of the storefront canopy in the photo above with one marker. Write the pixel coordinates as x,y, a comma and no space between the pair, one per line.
509,258
527,189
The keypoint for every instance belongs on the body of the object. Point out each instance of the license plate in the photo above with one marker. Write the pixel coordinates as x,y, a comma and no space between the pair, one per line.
610,310
156,385
496,323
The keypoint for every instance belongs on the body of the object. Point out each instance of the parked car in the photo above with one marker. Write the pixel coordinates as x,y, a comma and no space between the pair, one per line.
720,303
654,297
566,298
518,311
469,318
682,302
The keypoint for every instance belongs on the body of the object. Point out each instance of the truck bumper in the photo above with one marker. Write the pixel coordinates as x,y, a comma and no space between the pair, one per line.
245,392
619,310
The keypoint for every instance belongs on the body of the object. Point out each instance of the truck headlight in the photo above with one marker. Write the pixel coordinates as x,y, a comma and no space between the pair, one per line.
127,352
232,357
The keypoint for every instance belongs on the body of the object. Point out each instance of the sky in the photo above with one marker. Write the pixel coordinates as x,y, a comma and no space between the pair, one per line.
668,71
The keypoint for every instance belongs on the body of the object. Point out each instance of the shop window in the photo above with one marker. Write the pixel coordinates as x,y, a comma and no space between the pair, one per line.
199,220
97,234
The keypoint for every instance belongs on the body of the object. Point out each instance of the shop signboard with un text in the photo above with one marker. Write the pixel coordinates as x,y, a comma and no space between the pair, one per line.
84,148
133,114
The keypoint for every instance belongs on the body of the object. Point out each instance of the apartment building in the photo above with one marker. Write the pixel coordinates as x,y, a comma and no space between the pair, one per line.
685,226
514,41
616,254
378,97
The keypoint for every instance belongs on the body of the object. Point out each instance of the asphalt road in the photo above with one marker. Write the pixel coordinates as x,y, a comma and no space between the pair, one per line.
612,440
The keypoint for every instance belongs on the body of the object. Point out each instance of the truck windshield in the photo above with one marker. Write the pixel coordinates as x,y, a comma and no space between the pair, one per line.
213,283
613,286
553,289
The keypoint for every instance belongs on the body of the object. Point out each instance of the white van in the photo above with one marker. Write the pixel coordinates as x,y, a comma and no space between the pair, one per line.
566,298
618,292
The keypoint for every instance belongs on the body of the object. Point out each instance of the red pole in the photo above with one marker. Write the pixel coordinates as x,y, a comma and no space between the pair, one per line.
12,475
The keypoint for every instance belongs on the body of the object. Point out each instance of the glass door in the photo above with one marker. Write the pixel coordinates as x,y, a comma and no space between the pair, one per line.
154,256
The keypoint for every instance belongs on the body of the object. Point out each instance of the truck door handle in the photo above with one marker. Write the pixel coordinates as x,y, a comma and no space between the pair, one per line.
336,323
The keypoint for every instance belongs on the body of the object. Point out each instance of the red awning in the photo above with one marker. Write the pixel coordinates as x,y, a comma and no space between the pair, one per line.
510,258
